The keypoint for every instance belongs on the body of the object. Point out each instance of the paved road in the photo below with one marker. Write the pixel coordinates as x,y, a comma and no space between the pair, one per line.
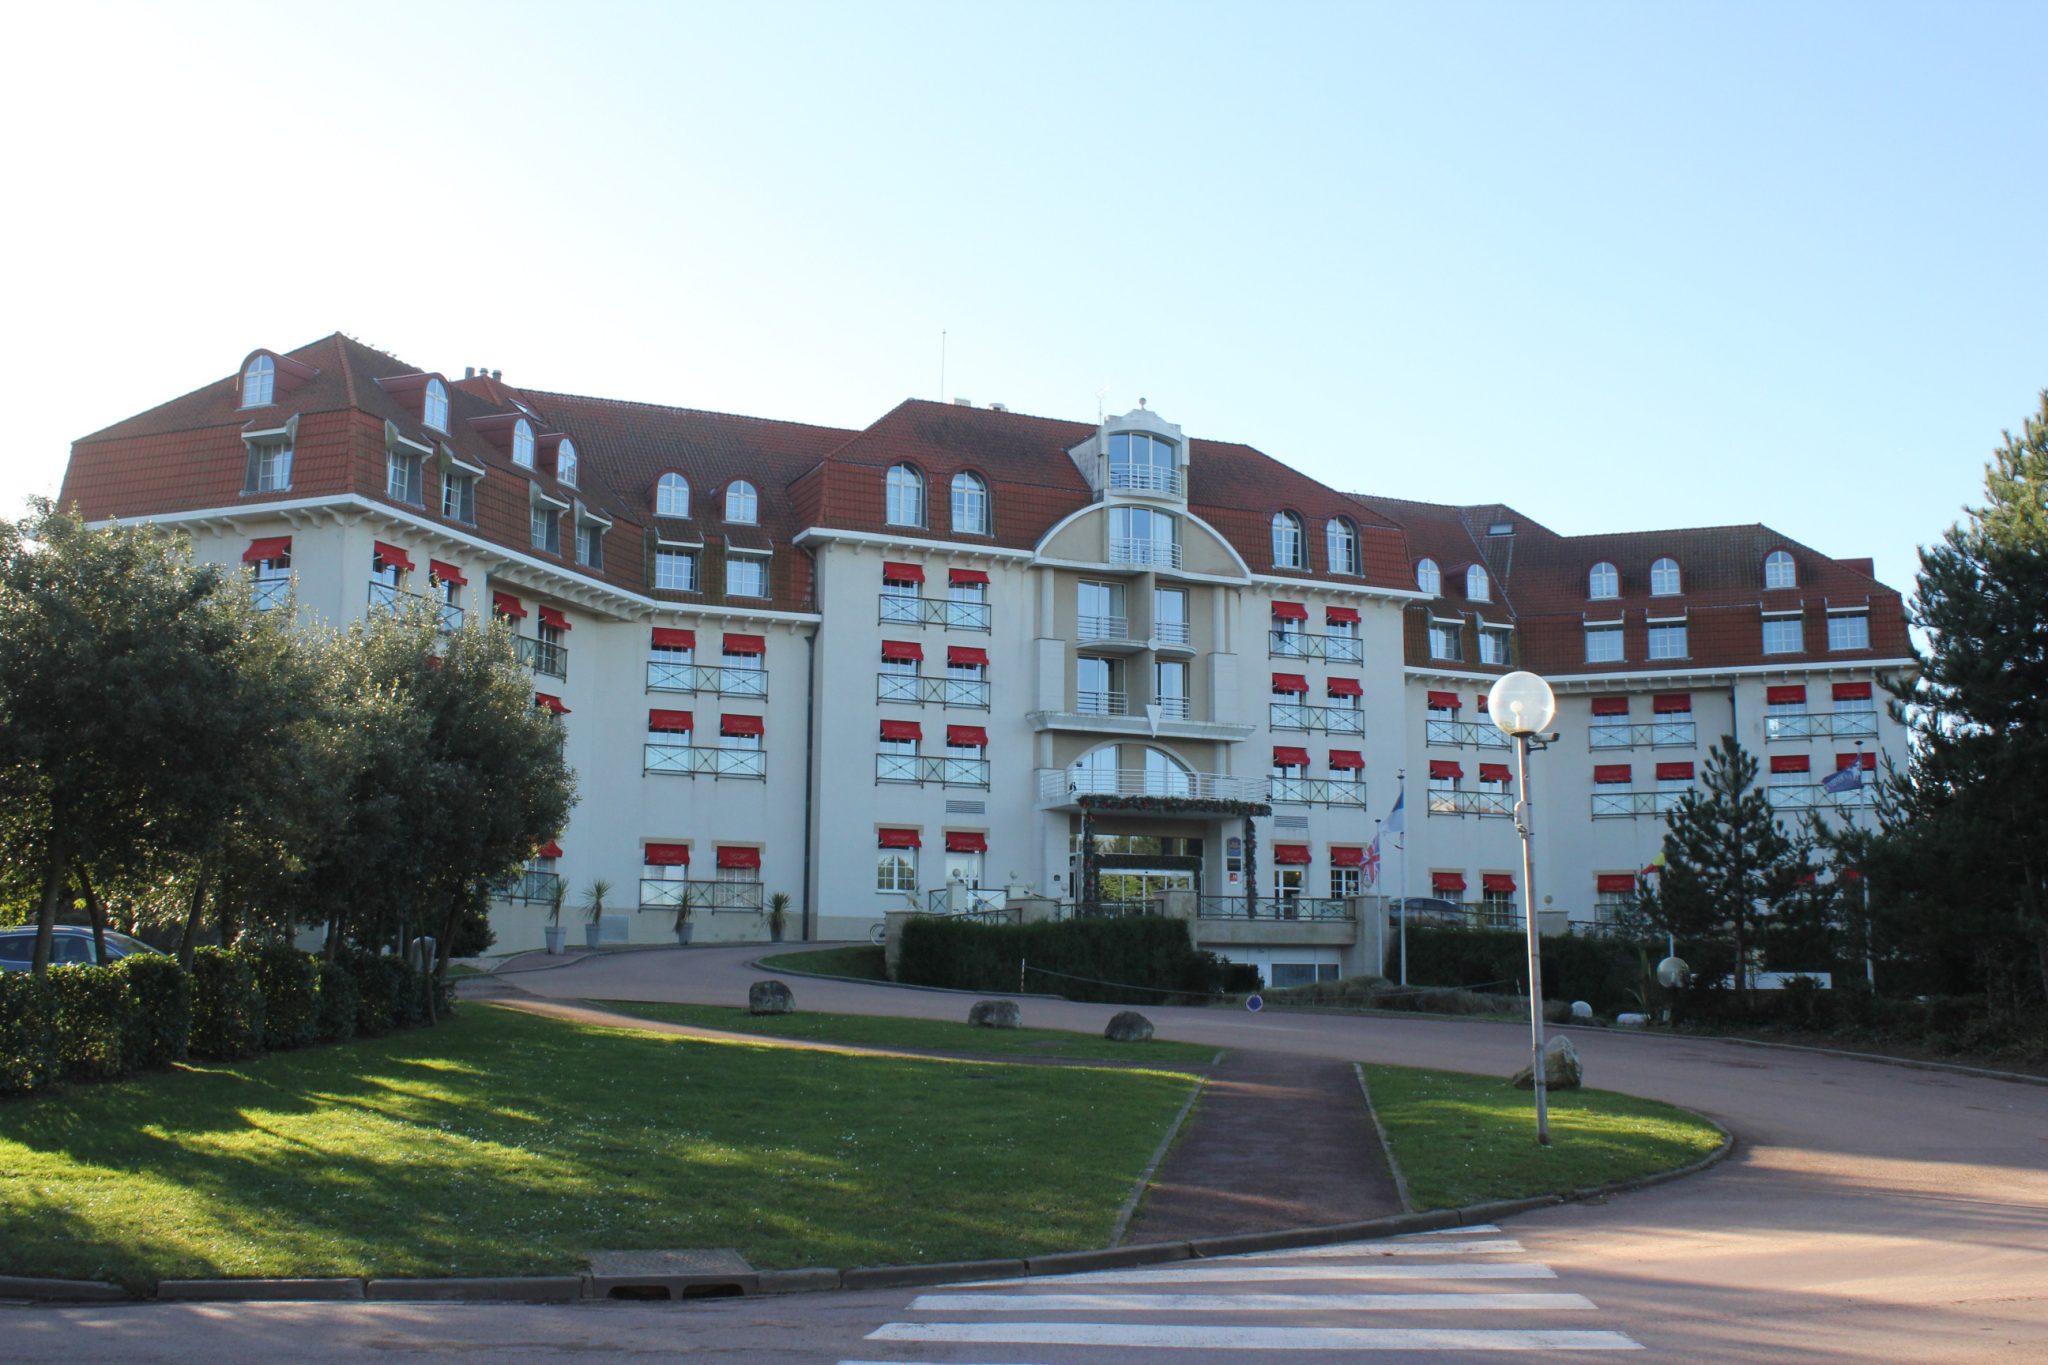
1871,1213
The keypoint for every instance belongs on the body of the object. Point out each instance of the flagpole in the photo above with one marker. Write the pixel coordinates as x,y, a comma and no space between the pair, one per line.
1380,938
1401,799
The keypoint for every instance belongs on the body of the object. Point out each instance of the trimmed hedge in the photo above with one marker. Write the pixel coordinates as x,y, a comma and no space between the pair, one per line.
93,1018
1146,958
160,1024
28,1033
227,1005
290,982
334,1020
1606,973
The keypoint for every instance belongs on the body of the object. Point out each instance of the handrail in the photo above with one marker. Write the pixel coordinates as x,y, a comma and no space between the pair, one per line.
923,768
919,690
1147,478
533,887
1324,908
1335,720
1093,629
1162,553
1481,734
1055,784
541,656
661,893
1470,803
663,676
1101,704
1822,725
1170,632
271,592
904,610
1295,644
1661,734
1610,804
1815,796
688,760
1317,791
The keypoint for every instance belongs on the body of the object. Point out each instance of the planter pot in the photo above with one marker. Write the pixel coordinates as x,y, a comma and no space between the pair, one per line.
683,934
775,933
590,933
555,934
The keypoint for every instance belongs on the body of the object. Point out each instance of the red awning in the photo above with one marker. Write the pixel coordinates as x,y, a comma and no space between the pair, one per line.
1785,696
1285,756
1674,772
1291,855
1869,761
1341,615
1289,611
1346,687
1447,881
550,849
961,578
1615,881
1347,856
270,547
1610,706
547,701
966,736
394,557
1496,881
898,838
966,841
1671,703
551,617
745,644
446,573
1444,701
902,729
902,652
1289,682
667,637
671,722
1480,697
738,859
1443,767
1495,772
1608,774
508,605
893,572
1790,763
666,855
741,725
967,656
1852,691
1348,759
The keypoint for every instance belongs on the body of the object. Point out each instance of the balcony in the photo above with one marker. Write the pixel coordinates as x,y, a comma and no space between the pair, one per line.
726,682
1335,720
541,656
1147,478
916,690
1826,725
1171,708
1059,786
685,760
383,597
268,593
920,769
1326,908
1090,630
1294,644
1615,805
1813,796
1172,634
534,888
1158,554
1481,734
933,611
1101,704
1314,791
663,894
1662,734
1497,804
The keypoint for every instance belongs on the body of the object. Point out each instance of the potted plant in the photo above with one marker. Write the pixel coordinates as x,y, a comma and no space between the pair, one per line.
593,905
553,930
684,904
778,914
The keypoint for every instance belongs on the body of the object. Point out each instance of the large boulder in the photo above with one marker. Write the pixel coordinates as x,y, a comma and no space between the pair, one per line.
995,1014
1562,1069
770,997
1128,1027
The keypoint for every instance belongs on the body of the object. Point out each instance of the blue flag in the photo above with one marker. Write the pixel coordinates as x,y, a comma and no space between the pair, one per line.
1846,778
1397,819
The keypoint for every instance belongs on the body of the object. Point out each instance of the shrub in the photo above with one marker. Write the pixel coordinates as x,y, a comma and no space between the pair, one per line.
28,1033
290,981
383,1000
227,1005
160,1026
92,1013
334,1016
1142,959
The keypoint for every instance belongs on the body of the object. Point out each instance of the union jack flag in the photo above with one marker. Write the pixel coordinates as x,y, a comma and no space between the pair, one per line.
1371,865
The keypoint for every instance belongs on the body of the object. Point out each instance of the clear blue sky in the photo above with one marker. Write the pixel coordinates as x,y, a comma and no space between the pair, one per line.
1624,265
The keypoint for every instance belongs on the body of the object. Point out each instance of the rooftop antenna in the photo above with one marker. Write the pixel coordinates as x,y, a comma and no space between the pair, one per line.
1100,394
942,364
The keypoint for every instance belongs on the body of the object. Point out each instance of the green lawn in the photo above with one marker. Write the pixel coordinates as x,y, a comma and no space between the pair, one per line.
502,1143
863,961
1465,1139
931,1035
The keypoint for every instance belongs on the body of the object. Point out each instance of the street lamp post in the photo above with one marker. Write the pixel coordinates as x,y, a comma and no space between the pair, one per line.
1521,704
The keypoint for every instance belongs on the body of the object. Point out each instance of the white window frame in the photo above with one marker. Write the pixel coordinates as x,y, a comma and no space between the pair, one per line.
1289,549
1340,546
1666,580
904,496
544,524
434,405
1838,639
1429,578
405,477
461,484
896,871
1781,570
565,462
1668,640
758,564
1784,635
675,570
1477,587
672,495
1447,640
1493,644
742,503
1603,581
259,382
270,467
970,504
1605,634
522,443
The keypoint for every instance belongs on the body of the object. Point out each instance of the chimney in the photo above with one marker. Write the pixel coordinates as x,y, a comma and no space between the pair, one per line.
497,374
998,407
469,371
963,402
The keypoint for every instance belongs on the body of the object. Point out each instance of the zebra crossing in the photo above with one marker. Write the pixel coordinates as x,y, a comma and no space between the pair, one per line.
1478,1298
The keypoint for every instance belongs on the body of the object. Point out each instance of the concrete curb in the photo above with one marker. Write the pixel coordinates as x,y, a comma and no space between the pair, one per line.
284,1290
1881,1058
39,1290
754,964
1386,1146
1130,1208
481,1289
938,1272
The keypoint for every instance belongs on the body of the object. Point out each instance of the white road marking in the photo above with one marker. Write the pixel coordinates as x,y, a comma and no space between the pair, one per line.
1249,1303
1397,1247
1215,1272
1229,1338
1449,1232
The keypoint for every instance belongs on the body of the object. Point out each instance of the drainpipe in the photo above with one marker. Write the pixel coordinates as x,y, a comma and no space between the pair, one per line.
810,920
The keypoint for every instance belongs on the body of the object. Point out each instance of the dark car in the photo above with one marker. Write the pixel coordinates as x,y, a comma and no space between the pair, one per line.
1427,910
68,943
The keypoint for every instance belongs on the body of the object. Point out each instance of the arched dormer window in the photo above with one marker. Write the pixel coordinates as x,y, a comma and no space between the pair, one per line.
742,503
522,443
1288,550
1141,462
434,406
1428,577
970,504
672,496
1664,581
1340,542
1603,581
259,382
906,496
1476,587
1780,571
565,462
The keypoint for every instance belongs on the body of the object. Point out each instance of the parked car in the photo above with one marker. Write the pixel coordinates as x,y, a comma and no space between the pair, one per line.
68,943
1427,910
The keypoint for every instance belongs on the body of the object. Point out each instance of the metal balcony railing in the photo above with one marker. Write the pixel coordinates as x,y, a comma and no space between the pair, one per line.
1092,628
1171,708
1824,725
1661,734
1163,554
541,656
272,592
1147,478
1314,791
726,682
980,901
1170,632
933,611
1616,804
1813,796
1483,734
1101,704
537,888
923,768
919,690
664,894
1278,908
686,760
1470,803
1059,784
1295,644
1336,720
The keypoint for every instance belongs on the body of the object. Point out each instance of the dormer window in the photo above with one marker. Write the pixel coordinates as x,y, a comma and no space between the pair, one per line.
434,407
522,443
1664,580
565,462
1428,577
905,496
1288,550
970,505
1475,584
742,503
259,382
1340,542
1141,462
1603,581
1780,571
672,496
